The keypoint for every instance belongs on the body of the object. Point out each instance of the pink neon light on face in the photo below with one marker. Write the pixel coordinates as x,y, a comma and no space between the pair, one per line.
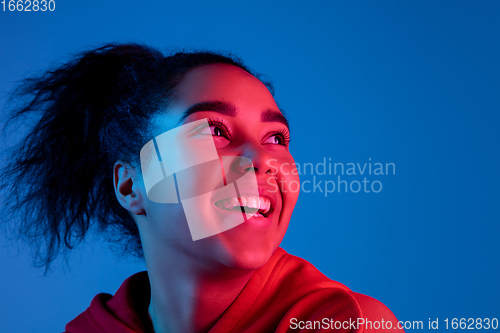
250,137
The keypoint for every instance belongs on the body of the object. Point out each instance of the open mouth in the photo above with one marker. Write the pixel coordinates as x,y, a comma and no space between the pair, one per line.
253,206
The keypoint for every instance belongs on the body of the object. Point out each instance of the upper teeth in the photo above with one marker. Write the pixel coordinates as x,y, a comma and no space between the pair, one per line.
251,201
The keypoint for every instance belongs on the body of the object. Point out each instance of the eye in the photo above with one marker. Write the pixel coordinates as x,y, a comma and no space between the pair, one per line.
216,128
275,139
217,131
281,138
213,130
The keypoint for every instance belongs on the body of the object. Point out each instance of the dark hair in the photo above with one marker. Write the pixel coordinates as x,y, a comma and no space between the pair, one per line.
89,113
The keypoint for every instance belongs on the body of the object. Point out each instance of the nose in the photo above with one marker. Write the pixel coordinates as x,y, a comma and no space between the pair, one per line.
256,157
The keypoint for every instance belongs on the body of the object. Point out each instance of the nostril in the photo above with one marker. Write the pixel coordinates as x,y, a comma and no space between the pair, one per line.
250,168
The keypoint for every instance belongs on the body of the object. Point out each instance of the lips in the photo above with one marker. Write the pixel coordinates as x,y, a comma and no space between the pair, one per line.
256,206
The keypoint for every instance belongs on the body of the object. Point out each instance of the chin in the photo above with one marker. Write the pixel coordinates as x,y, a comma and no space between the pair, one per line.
250,259
248,247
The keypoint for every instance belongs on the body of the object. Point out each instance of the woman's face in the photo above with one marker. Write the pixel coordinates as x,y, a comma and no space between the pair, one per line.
247,129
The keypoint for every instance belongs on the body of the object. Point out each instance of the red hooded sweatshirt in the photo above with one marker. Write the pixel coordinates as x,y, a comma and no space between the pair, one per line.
288,294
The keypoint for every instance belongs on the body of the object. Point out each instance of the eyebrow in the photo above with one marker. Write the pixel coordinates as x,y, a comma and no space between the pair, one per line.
229,109
270,116
224,108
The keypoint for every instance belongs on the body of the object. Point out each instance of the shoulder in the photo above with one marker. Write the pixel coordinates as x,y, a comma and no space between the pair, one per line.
123,312
89,320
372,307
376,316
298,272
320,301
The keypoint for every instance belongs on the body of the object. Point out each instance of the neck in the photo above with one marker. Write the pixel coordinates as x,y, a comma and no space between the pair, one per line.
192,296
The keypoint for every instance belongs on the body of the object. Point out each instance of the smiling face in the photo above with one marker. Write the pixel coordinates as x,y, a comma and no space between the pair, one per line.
248,130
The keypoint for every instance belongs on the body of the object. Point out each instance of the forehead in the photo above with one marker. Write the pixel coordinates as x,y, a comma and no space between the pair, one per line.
216,83
226,83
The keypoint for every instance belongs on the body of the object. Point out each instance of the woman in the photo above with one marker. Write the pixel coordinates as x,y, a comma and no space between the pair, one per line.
170,156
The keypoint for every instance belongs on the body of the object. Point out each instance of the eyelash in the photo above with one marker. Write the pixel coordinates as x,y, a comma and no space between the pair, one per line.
221,123
284,134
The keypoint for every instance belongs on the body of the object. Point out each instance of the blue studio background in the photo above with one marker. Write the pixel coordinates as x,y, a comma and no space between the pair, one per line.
413,83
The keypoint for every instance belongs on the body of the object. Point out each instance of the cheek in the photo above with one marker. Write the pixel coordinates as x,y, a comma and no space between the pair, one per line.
288,180
166,222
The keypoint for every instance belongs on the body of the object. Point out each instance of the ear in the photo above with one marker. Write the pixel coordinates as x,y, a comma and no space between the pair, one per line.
128,189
